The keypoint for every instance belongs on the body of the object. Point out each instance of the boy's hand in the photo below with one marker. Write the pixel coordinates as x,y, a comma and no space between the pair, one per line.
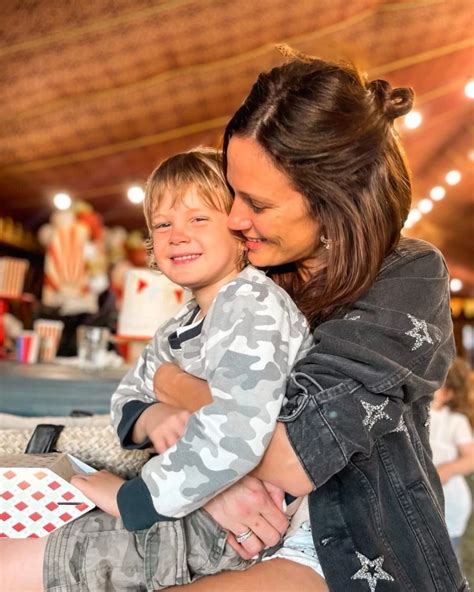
164,425
102,488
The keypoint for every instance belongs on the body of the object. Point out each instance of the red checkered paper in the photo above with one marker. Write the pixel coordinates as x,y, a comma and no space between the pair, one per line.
36,496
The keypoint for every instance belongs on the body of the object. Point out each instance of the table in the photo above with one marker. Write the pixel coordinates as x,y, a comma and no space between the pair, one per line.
52,389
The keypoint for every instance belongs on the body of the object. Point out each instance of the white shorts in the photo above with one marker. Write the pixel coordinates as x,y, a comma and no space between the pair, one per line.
299,547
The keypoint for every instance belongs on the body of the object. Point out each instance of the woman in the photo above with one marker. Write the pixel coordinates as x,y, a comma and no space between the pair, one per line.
321,194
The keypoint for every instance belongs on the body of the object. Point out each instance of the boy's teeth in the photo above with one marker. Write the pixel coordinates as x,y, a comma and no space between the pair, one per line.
186,257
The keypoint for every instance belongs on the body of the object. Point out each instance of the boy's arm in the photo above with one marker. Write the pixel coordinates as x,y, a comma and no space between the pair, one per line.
135,395
280,465
180,389
248,361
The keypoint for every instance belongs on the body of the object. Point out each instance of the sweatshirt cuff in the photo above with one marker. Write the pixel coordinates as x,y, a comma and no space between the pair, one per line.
131,411
136,506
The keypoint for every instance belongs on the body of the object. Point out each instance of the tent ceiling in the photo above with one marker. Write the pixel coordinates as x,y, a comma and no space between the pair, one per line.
95,94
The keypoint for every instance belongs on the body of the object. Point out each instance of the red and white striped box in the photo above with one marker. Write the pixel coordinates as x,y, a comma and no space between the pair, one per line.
36,496
50,333
12,276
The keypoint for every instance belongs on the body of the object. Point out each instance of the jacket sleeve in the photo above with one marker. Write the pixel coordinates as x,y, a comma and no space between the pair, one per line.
392,348
135,394
250,345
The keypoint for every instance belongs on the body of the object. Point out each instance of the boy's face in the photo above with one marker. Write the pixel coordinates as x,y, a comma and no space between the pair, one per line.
192,244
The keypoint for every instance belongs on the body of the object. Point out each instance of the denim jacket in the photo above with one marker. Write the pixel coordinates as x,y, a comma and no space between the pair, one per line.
358,418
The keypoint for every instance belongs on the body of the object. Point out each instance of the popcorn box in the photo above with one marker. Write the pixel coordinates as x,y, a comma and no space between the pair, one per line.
50,333
36,496
12,275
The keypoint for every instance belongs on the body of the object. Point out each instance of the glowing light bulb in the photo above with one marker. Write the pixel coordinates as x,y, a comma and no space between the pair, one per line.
135,194
437,193
413,120
456,285
413,217
425,205
62,201
469,89
453,177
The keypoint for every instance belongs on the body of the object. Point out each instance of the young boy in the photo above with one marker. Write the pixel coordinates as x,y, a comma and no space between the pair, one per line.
242,334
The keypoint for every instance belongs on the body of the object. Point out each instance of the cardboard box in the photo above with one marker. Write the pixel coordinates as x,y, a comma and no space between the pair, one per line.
36,496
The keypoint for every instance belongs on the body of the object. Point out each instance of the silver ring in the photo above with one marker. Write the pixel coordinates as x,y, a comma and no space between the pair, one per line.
241,538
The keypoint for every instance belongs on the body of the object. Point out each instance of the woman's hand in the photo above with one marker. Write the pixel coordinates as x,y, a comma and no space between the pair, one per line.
101,488
163,424
178,388
249,505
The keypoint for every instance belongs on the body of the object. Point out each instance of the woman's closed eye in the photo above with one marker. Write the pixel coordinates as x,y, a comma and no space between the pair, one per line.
255,207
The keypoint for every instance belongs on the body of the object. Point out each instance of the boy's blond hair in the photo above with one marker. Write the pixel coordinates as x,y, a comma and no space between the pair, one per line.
200,168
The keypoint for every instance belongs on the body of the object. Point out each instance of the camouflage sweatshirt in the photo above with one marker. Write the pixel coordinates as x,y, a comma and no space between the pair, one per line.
244,348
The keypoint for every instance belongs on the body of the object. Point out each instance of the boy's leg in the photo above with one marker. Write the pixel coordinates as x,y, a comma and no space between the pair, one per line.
21,564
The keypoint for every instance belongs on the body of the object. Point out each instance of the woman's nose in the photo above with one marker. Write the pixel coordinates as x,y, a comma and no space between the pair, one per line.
239,216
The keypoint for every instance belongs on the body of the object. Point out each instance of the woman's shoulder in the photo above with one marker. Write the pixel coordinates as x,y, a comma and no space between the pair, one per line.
417,254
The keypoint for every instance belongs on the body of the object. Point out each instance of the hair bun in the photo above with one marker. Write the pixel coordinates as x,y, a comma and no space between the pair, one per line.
394,102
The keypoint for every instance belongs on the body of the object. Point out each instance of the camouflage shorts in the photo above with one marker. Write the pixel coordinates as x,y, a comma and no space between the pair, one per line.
95,554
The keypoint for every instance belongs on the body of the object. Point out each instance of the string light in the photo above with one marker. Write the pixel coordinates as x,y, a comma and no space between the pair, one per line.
456,285
438,193
425,205
135,194
413,119
469,89
62,201
413,217
453,177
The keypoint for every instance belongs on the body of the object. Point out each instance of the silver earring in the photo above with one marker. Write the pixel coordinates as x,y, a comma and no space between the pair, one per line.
327,242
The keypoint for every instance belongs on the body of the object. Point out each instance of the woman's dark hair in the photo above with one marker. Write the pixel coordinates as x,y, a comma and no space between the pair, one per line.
331,133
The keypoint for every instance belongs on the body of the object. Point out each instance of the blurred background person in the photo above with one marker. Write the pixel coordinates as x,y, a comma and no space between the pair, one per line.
453,447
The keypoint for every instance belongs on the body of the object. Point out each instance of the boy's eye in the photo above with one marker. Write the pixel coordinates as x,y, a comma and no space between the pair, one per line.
161,226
